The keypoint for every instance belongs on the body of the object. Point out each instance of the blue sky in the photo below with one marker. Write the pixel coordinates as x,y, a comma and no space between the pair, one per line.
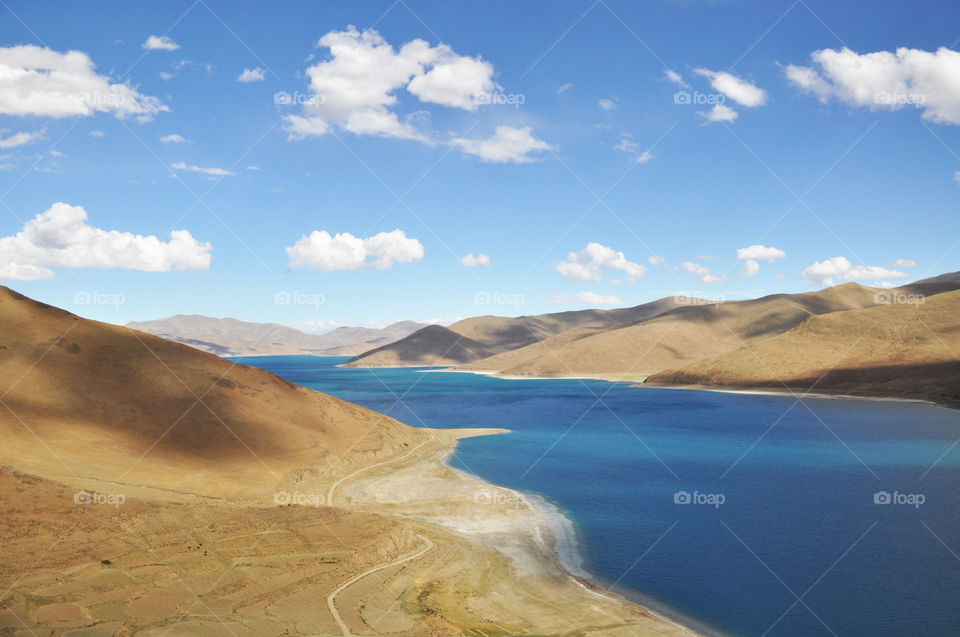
601,153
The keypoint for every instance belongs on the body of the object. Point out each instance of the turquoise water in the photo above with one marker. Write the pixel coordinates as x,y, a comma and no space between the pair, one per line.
797,482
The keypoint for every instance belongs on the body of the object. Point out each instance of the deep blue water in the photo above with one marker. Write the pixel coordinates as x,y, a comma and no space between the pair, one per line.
798,520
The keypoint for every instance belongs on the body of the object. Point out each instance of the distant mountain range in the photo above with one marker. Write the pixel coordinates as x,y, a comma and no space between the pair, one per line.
230,337
848,338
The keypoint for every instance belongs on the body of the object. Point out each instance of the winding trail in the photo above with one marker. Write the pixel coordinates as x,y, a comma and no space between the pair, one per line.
339,589
329,501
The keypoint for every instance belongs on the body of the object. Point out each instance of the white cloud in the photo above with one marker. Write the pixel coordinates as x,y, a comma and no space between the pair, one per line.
956,177
592,298
471,261
39,81
160,43
251,75
606,105
627,145
253,167
885,81
830,271
735,88
587,265
760,253
173,139
320,251
61,237
20,139
656,262
508,144
355,88
564,88
720,113
904,263
212,171
95,133
751,256
702,272
676,78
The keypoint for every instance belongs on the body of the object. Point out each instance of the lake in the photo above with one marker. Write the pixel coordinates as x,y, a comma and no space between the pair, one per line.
737,514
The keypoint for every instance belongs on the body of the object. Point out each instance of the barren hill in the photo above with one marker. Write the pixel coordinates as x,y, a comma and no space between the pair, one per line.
902,349
230,337
674,338
102,401
482,336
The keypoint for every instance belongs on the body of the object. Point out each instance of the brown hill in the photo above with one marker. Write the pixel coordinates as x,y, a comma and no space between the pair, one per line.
479,337
902,349
88,399
230,337
677,337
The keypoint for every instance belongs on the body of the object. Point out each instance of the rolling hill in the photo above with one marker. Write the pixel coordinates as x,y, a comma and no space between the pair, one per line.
480,337
230,337
686,334
108,401
905,349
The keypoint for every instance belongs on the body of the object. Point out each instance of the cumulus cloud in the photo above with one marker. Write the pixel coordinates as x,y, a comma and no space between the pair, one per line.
592,298
676,78
904,263
173,139
160,43
752,255
735,88
830,271
61,237
343,251
211,171
702,272
508,144
589,263
355,88
471,261
20,139
606,105
656,261
720,113
37,81
885,81
251,75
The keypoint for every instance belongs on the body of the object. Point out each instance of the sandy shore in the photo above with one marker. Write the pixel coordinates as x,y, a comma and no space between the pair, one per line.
536,542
